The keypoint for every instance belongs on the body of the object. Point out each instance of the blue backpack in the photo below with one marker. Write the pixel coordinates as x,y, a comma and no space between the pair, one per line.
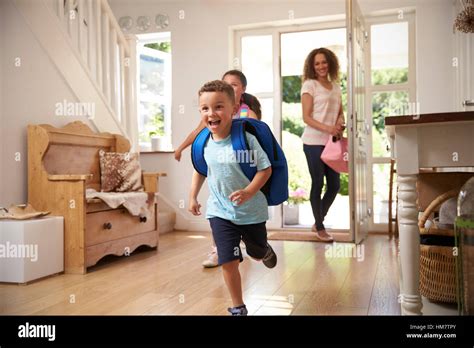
276,188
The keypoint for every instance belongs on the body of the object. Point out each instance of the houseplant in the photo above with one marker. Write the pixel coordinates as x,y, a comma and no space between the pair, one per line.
291,210
157,133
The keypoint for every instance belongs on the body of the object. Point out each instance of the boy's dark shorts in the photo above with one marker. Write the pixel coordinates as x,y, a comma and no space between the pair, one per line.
227,236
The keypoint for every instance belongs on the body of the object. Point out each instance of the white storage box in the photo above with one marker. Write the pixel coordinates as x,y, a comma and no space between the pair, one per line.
31,249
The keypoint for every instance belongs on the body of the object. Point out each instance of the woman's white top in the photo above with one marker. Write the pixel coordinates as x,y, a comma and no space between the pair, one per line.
326,104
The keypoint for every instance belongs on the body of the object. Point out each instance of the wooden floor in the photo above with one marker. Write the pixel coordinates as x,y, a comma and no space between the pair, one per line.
172,281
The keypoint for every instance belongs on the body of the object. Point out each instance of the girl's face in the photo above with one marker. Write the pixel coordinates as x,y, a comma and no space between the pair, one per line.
236,84
321,66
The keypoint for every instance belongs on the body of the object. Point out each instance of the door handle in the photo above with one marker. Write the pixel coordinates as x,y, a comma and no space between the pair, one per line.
468,103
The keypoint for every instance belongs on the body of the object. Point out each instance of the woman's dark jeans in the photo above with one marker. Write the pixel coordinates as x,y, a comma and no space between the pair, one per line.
318,170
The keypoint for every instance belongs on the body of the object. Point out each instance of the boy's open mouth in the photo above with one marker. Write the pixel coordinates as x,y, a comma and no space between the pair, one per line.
214,123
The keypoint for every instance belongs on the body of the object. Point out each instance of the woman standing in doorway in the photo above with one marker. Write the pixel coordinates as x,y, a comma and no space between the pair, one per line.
323,116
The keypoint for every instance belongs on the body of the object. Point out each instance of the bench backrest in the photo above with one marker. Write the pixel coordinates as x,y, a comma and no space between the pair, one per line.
73,149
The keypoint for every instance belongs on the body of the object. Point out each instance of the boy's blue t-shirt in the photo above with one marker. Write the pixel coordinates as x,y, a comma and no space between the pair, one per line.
225,176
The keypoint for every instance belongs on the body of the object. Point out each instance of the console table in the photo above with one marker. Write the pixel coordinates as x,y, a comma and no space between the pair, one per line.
423,141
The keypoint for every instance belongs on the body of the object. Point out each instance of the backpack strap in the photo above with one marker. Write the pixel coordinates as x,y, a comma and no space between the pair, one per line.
197,151
239,143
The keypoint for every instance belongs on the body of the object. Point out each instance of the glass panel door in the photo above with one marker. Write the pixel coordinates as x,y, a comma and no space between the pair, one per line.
256,62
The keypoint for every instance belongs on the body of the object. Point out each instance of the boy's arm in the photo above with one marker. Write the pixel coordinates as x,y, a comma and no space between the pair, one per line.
188,141
242,196
196,185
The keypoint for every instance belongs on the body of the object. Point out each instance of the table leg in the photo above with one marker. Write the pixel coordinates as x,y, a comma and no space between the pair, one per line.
409,246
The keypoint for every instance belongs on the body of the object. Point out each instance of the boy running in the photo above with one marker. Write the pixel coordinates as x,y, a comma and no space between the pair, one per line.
236,208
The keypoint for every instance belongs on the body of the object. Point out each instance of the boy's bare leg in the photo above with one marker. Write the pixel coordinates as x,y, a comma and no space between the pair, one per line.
233,281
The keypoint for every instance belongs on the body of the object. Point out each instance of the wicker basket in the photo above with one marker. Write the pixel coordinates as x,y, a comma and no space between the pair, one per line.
437,263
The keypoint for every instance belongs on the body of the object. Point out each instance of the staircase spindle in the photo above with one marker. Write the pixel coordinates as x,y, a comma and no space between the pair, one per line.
106,49
60,8
113,70
80,26
71,15
90,39
122,61
98,36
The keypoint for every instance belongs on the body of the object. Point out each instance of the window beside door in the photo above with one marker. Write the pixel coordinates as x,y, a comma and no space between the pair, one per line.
391,92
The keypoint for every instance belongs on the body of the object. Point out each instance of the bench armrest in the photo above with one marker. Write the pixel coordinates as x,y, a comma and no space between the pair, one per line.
69,177
150,181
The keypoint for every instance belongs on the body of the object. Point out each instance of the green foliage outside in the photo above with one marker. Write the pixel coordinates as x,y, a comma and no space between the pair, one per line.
292,118
389,76
155,126
160,46
297,167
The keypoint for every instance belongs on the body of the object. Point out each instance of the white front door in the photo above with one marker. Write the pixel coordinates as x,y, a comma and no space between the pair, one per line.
358,123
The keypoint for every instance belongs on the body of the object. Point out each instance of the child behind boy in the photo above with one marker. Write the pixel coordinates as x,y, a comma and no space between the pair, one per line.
236,208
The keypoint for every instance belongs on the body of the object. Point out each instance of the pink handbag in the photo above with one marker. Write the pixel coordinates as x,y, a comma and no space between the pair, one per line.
336,154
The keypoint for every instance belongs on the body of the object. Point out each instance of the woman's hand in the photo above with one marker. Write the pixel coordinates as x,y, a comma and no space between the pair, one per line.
194,207
335,130
340,122
239,197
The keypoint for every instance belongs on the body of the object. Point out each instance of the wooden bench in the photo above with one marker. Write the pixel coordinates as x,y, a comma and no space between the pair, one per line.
62,164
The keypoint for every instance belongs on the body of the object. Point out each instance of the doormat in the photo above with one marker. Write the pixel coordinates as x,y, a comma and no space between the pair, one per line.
299,236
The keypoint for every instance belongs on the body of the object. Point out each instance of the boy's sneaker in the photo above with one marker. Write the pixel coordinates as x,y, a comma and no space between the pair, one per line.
270,258
211,260
238,311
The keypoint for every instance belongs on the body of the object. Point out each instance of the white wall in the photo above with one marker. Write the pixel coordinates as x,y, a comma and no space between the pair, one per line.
435,50
200,46
29,94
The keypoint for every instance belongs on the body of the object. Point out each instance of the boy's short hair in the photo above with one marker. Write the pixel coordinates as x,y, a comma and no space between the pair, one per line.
218,86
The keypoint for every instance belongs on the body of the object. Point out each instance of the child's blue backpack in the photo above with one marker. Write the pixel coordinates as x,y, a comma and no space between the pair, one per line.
276,188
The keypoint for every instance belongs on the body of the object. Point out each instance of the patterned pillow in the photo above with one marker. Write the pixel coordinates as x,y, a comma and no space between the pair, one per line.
120,172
